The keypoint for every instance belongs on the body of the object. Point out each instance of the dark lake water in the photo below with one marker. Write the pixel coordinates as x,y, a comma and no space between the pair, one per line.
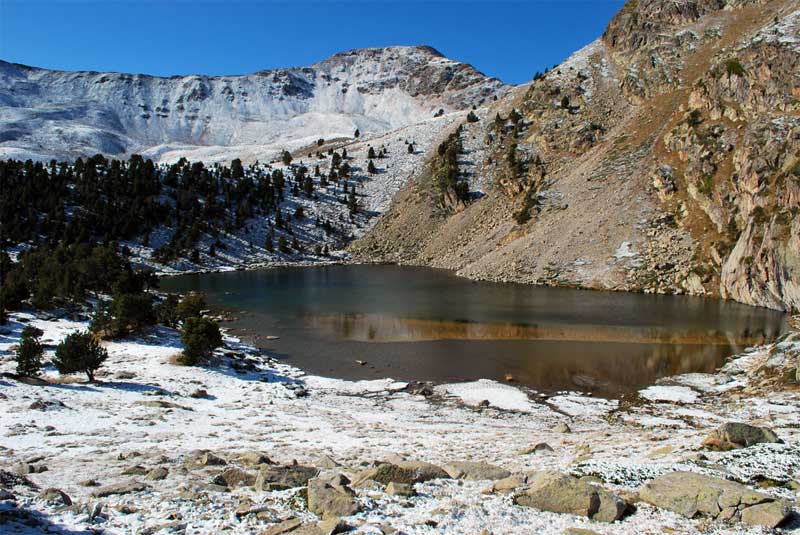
429,325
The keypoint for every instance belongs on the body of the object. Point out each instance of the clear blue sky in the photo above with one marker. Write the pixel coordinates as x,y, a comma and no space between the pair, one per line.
507,39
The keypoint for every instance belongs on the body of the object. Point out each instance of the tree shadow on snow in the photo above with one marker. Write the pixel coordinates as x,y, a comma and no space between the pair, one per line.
24,521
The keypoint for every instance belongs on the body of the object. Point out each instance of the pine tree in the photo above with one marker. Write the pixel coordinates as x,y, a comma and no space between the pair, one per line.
352,204
200,337
29,352
191,306
356,133
167,311
371,153
80,352
411,148
371,168
286,158
268,245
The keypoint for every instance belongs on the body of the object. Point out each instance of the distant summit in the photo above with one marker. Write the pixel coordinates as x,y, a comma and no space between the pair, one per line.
59,114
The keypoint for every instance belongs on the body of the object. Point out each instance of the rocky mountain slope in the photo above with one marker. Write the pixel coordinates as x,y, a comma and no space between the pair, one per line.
664,157
45,113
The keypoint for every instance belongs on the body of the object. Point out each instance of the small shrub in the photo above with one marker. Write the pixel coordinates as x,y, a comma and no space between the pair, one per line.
29,352
472,118
705,184
200,336
734,68
80,352
695,117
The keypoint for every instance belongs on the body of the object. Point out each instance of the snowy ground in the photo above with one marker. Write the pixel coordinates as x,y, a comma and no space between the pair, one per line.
141,415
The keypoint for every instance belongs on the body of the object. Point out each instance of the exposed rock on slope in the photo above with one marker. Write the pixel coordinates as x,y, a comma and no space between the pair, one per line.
664,157
45,113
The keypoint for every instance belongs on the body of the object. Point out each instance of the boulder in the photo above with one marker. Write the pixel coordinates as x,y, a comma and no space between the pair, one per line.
157,474
408,472
125,487
540,448
23,469
208,458
400,489
135,470
326,462
333,526
733,435
284,477
473,471
254,458
691,495
283,527
55,497
562,428
234,477
509,483
550,490
769,514
331,497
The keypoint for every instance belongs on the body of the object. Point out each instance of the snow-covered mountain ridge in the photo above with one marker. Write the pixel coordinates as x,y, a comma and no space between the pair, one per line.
46,113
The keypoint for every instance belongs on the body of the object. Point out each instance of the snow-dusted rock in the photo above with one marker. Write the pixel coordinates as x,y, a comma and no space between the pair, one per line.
691,494
733,435
550,490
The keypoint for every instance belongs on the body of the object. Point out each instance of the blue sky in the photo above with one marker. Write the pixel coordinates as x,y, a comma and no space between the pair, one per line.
507,39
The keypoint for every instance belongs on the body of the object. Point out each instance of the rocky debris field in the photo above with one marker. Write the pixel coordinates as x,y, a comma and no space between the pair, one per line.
249,444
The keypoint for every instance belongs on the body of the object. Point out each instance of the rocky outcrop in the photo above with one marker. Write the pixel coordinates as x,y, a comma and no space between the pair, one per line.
284,477
475,471
734,435
407,472
664,158
332,497
692,495
553,491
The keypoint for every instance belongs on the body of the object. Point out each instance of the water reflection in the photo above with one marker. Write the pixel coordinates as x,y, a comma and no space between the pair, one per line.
377,328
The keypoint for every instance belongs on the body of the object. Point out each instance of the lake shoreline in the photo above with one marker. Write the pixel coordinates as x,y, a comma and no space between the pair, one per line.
371,321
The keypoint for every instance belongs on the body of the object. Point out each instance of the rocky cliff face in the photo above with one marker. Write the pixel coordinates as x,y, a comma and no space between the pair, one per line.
664,157
46,113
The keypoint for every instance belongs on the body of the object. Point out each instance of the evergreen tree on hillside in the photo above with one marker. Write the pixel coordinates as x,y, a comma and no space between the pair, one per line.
167,311
191,306
352,204
200,336
237,171
80,352
371,168
29,352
